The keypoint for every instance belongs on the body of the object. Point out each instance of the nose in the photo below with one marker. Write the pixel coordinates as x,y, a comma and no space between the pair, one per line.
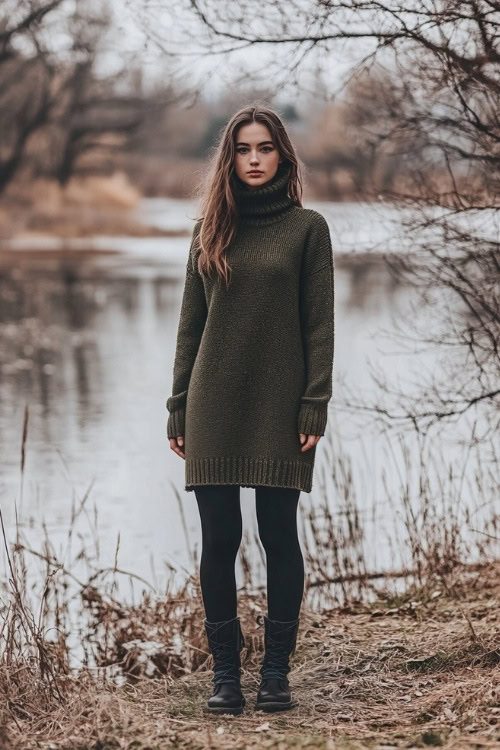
254,159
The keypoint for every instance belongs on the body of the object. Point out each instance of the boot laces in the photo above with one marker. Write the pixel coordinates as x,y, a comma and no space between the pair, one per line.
226,656
225,663
276,659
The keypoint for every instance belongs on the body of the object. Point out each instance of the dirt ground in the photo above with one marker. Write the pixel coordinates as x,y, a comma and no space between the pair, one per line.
401,673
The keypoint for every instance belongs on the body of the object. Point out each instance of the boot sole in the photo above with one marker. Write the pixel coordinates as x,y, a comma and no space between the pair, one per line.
272,707
221,710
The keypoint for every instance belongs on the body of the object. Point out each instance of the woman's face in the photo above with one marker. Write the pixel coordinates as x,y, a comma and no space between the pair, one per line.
256,159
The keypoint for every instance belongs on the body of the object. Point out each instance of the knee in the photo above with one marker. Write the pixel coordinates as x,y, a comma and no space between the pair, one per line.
222,543
278,543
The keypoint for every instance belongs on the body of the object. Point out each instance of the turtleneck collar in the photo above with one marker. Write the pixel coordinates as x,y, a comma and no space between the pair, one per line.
264,203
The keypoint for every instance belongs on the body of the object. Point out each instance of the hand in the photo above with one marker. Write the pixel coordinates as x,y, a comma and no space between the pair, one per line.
176,444
311,440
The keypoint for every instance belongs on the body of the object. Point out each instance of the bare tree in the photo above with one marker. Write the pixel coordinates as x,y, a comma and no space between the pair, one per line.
52,98
25,82
440,117
91,116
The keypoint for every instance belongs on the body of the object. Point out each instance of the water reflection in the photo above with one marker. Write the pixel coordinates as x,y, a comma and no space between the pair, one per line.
90,349
88,342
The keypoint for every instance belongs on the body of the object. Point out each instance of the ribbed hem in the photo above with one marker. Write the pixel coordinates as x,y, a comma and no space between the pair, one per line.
312,419
248,472
175,423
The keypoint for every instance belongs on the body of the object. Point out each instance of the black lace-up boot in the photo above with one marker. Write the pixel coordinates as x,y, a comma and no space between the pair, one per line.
225,639
280,638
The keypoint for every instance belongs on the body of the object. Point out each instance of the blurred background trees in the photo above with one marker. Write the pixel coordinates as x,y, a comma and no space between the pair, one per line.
59,116
391,102
63,113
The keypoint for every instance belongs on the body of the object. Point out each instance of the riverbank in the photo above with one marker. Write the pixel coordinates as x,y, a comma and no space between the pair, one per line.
86,207
420,669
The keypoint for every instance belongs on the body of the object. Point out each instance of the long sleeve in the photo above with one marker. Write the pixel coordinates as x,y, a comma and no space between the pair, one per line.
317,313
192,319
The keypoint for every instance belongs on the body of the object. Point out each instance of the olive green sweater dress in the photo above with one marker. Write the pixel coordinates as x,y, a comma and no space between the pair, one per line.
253,363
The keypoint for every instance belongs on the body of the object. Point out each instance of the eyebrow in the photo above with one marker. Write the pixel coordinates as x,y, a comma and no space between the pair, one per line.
262,143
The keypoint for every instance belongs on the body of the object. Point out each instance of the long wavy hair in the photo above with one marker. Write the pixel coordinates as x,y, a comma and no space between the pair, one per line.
219,211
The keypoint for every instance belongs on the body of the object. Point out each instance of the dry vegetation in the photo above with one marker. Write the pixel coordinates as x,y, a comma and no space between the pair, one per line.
378,665
422,670
85,207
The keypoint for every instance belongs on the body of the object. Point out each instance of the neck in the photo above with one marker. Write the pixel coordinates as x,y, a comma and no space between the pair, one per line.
263,203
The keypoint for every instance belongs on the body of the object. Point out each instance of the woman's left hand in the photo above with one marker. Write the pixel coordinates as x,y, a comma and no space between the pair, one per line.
310,441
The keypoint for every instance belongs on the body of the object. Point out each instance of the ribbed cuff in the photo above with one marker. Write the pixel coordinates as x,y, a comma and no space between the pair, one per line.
177,402
175,423
312,419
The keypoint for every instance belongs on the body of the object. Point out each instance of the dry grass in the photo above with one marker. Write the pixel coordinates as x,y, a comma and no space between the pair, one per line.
384,666
422,673
84,208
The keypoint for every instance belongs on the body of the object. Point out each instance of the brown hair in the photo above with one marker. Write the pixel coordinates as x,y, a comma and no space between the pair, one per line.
219,212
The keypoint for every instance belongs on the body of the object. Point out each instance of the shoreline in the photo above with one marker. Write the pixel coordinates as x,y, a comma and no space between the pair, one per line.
410,670
80,249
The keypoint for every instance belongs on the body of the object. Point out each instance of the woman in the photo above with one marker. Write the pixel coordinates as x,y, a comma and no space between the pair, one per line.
251,385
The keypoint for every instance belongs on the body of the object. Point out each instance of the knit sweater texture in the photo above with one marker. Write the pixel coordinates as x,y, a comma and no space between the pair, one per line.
254,361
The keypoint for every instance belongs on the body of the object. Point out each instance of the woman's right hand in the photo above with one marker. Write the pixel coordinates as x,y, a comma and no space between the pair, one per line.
176,444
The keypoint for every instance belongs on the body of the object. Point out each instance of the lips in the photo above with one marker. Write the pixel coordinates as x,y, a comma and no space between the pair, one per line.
255,173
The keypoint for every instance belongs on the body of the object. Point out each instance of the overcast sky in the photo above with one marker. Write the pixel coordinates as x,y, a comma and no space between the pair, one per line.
139,34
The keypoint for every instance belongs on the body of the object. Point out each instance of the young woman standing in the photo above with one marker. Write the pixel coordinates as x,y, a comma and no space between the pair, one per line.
251,385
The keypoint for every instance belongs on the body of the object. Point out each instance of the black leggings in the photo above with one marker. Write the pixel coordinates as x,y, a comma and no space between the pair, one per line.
221,525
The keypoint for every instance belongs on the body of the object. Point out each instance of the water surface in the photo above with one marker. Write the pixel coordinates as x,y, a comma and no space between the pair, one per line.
87,342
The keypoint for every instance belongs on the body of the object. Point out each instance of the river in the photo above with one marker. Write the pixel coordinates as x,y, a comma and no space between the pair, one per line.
87,342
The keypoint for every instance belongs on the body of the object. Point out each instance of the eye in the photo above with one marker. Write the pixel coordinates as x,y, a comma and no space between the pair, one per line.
241,149
267,148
